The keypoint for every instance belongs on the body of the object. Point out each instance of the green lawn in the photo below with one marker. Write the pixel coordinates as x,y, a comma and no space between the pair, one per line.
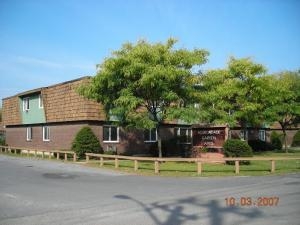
256,168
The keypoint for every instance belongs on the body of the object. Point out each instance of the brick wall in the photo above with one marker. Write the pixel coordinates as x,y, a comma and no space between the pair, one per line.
63,134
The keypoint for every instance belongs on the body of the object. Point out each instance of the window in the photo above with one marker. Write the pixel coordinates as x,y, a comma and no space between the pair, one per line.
244,135
150,135
28,133
46,133
110,134
41,102
25,104
184,135
262,135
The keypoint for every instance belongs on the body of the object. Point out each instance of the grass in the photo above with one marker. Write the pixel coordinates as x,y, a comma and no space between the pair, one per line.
186,169
256,168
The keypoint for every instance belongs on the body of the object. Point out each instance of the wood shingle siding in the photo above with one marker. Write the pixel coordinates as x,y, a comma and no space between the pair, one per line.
11,114
63,103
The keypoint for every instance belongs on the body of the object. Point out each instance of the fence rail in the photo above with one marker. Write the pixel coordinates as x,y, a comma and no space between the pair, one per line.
35,152
198,161
156,161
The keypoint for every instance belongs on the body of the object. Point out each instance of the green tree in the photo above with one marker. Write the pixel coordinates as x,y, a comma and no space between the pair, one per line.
144,84
296,139
86,141
284,100
234,95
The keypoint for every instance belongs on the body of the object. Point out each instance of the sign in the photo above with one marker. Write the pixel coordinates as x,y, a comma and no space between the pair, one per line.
209,137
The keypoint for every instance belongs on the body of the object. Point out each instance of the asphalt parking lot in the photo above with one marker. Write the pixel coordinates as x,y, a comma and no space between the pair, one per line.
35,191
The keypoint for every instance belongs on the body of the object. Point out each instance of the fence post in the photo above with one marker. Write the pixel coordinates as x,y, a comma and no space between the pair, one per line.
57,155
87,158
156,166
237,167
272,166
50,155
199,168
116,162
136,166
66,157
101,161
74,157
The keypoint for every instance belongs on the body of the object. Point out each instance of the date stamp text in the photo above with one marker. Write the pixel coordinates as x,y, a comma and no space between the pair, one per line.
251,201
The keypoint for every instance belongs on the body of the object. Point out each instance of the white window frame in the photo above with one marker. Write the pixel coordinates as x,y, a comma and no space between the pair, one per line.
46,130
41,103
26,104
244,135
262,135
28,133
149,138
111,141
178,129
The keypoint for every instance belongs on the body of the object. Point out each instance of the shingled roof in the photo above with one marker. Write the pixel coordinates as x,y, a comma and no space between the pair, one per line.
61,102
11,114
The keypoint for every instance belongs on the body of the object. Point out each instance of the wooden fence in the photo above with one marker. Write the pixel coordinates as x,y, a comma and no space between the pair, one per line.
198,161
35,152
156,161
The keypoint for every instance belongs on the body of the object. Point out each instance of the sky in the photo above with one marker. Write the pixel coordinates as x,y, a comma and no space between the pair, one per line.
44,42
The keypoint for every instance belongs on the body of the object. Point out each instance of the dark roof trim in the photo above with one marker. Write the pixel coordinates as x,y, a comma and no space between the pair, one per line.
41,88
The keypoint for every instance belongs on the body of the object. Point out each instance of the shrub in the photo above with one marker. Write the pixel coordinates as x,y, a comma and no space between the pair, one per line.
259,145
296,139
276,140
110,152
86,141
2,141
237,148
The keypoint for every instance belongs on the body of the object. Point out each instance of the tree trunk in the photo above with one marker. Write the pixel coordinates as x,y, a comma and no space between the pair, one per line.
284,140
159,142
283,128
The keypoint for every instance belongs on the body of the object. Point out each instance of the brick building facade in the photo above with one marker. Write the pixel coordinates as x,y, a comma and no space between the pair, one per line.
50,117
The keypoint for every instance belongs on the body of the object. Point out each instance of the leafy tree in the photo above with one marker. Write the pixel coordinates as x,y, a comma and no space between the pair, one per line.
296,139
284,101
86,141
234,95
276,140
145,84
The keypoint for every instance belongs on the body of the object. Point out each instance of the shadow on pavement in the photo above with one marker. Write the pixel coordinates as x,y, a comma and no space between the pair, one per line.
176,214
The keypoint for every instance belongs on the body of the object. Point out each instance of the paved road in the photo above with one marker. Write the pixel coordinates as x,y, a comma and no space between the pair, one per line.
37,192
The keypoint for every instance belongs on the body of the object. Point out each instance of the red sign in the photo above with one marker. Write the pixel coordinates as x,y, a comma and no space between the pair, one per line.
209,137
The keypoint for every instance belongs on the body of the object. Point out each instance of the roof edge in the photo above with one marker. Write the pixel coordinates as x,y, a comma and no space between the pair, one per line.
50,86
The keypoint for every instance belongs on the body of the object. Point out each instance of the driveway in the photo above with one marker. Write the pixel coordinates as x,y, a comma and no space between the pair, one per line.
37,192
